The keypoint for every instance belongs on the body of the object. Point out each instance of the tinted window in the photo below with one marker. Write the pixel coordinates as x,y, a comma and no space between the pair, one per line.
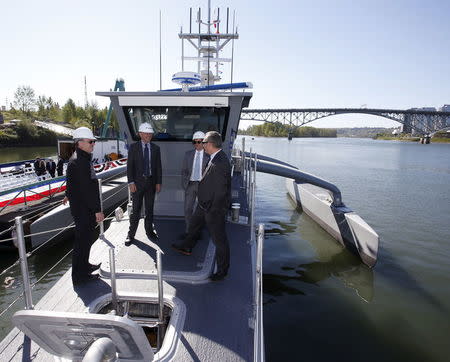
177,123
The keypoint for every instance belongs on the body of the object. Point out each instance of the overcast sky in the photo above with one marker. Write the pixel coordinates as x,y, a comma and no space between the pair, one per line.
298,54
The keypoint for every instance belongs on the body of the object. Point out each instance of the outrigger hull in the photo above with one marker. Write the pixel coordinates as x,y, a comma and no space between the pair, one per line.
322,201
347,227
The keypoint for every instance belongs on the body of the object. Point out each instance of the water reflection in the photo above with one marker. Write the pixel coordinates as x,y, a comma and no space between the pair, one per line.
393,272
347,268
284,228
331,260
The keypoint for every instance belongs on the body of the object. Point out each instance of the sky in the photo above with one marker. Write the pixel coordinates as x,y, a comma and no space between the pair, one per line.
297,54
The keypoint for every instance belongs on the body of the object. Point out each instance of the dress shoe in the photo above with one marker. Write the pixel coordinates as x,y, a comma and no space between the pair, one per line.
86,279
217,276
152,235
94,267
180,249
129,240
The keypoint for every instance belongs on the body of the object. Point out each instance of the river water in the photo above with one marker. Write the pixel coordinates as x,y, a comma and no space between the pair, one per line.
11,154
320,302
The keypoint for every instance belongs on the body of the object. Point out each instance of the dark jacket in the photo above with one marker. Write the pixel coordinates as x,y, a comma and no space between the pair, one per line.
188,163
82,184
60,166
51,167
135,163
37,167
214,190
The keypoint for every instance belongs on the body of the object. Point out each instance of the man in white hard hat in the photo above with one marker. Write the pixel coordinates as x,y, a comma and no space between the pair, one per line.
194,163
144,173
83,195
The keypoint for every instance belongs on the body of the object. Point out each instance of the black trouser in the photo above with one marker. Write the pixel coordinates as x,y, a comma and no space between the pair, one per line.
84,230
215,222
145,189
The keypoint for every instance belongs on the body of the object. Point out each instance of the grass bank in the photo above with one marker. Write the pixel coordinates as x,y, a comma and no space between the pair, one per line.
439,137
25,134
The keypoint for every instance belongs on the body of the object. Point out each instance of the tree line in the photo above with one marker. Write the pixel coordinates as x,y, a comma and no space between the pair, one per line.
277,129
26,106
25,134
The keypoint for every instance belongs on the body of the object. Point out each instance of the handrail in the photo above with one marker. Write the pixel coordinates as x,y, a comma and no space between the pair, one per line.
23,263
52,230
258,339
50,181
33,185
27,255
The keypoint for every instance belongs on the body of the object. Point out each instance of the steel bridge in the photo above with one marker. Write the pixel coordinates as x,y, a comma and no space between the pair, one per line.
414,121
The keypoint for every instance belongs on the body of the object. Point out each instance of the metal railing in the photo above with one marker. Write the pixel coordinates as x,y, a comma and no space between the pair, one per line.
24,263
19,240
23,189
249,166
258,341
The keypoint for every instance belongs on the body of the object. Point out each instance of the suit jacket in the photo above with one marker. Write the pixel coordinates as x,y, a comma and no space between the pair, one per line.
188,163
135,163
82,185
214,190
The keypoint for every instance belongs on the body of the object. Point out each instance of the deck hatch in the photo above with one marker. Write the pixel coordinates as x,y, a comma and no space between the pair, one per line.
69,335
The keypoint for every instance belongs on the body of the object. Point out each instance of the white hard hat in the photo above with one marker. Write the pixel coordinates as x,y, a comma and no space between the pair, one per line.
198,135
146,128
83,132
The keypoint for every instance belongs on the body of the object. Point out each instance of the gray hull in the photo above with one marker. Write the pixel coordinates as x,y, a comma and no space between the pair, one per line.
113,192
343,224
322,201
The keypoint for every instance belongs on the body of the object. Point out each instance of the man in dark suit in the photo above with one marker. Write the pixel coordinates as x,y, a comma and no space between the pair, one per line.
194,163
51,167
144,173
37,166
60,166
214,197
83,194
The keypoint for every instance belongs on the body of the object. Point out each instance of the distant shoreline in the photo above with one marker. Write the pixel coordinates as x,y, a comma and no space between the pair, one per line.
412,139
26,134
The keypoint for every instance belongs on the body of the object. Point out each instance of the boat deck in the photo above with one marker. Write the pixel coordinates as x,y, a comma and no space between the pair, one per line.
216,323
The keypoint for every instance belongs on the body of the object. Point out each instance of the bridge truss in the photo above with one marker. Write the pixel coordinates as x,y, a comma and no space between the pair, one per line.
413,121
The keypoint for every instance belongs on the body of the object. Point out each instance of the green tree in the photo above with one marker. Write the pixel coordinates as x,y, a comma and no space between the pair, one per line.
277,129
69,112
24,99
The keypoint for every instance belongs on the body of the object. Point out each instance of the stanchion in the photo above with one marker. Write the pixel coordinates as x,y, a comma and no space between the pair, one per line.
23,263
160,298
102,226
112,265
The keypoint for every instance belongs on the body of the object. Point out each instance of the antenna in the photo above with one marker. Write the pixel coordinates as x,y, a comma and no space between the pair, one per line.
160,51
232,49
86,104
207,44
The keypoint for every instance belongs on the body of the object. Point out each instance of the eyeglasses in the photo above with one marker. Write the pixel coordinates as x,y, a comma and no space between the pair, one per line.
90,141
205,142
196,142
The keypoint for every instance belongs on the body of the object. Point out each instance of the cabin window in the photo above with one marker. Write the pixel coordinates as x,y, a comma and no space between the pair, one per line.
177,123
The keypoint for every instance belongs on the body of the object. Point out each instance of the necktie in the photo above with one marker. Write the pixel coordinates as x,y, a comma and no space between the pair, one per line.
197,169
146,161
